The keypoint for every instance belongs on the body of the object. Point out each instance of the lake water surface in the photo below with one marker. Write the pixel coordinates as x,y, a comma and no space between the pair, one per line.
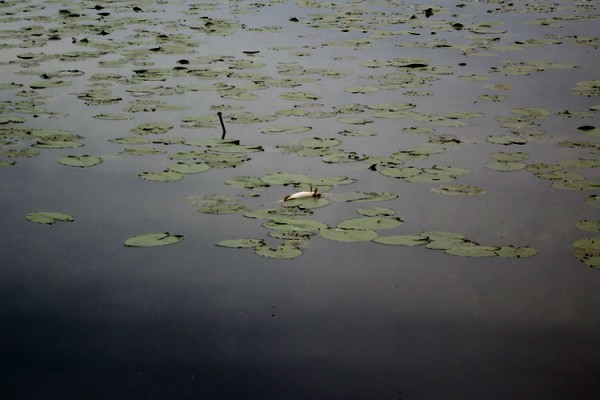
481,151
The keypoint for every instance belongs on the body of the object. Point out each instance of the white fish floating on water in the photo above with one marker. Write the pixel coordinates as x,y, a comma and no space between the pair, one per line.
303,195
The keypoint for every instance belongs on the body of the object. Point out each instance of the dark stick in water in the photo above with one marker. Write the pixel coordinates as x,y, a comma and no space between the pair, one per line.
222,123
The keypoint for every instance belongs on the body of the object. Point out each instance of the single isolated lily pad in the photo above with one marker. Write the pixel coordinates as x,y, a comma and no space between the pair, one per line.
49,217
80,161
153,239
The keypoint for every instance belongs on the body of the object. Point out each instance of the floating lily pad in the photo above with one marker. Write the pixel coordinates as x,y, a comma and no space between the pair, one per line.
459,190
317,142
80,161
284,178
241,243
376,211
294,224
472,250
286,130
402,240
588,251
372,223
506,140
299,96
283,251
215,204
247,182
185,168
517,252
348,235
363,197
506,166
163,176
153,239
49,217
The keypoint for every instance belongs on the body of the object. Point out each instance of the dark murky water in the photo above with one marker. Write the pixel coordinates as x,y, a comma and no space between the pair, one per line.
83,316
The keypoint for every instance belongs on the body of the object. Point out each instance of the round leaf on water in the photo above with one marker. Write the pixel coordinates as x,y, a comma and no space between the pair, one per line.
348,235
356,132
459,190
363,197
215,204
506,140
241,243
284,178
593,201
248,182
588,225
164,176
294,224
588,251
471,250
518,252
510,157
299,96
579,163
405,172
277,213
402,240
286,130
376,212
153,240
372,223
49,217
506,166
361,89
185,168
283,251
80,161
317,143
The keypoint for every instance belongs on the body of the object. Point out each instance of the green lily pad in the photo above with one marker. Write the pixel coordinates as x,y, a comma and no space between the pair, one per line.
588,251
593,200
283,251
286,130
402,240
247,182
510,157
284,178
459,190
348,235
518,252
152,128
185,168
163,176
80,161
49,217
215,204
589,225
372,223
506,166
471,250
506,140
317,142
294,224
241,243
153,240
299,96
376,211
363,197
357,133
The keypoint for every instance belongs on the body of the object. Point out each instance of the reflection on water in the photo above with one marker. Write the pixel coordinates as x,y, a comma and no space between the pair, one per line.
84,316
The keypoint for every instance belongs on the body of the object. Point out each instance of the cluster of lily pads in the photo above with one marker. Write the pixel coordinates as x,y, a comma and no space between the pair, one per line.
119,34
